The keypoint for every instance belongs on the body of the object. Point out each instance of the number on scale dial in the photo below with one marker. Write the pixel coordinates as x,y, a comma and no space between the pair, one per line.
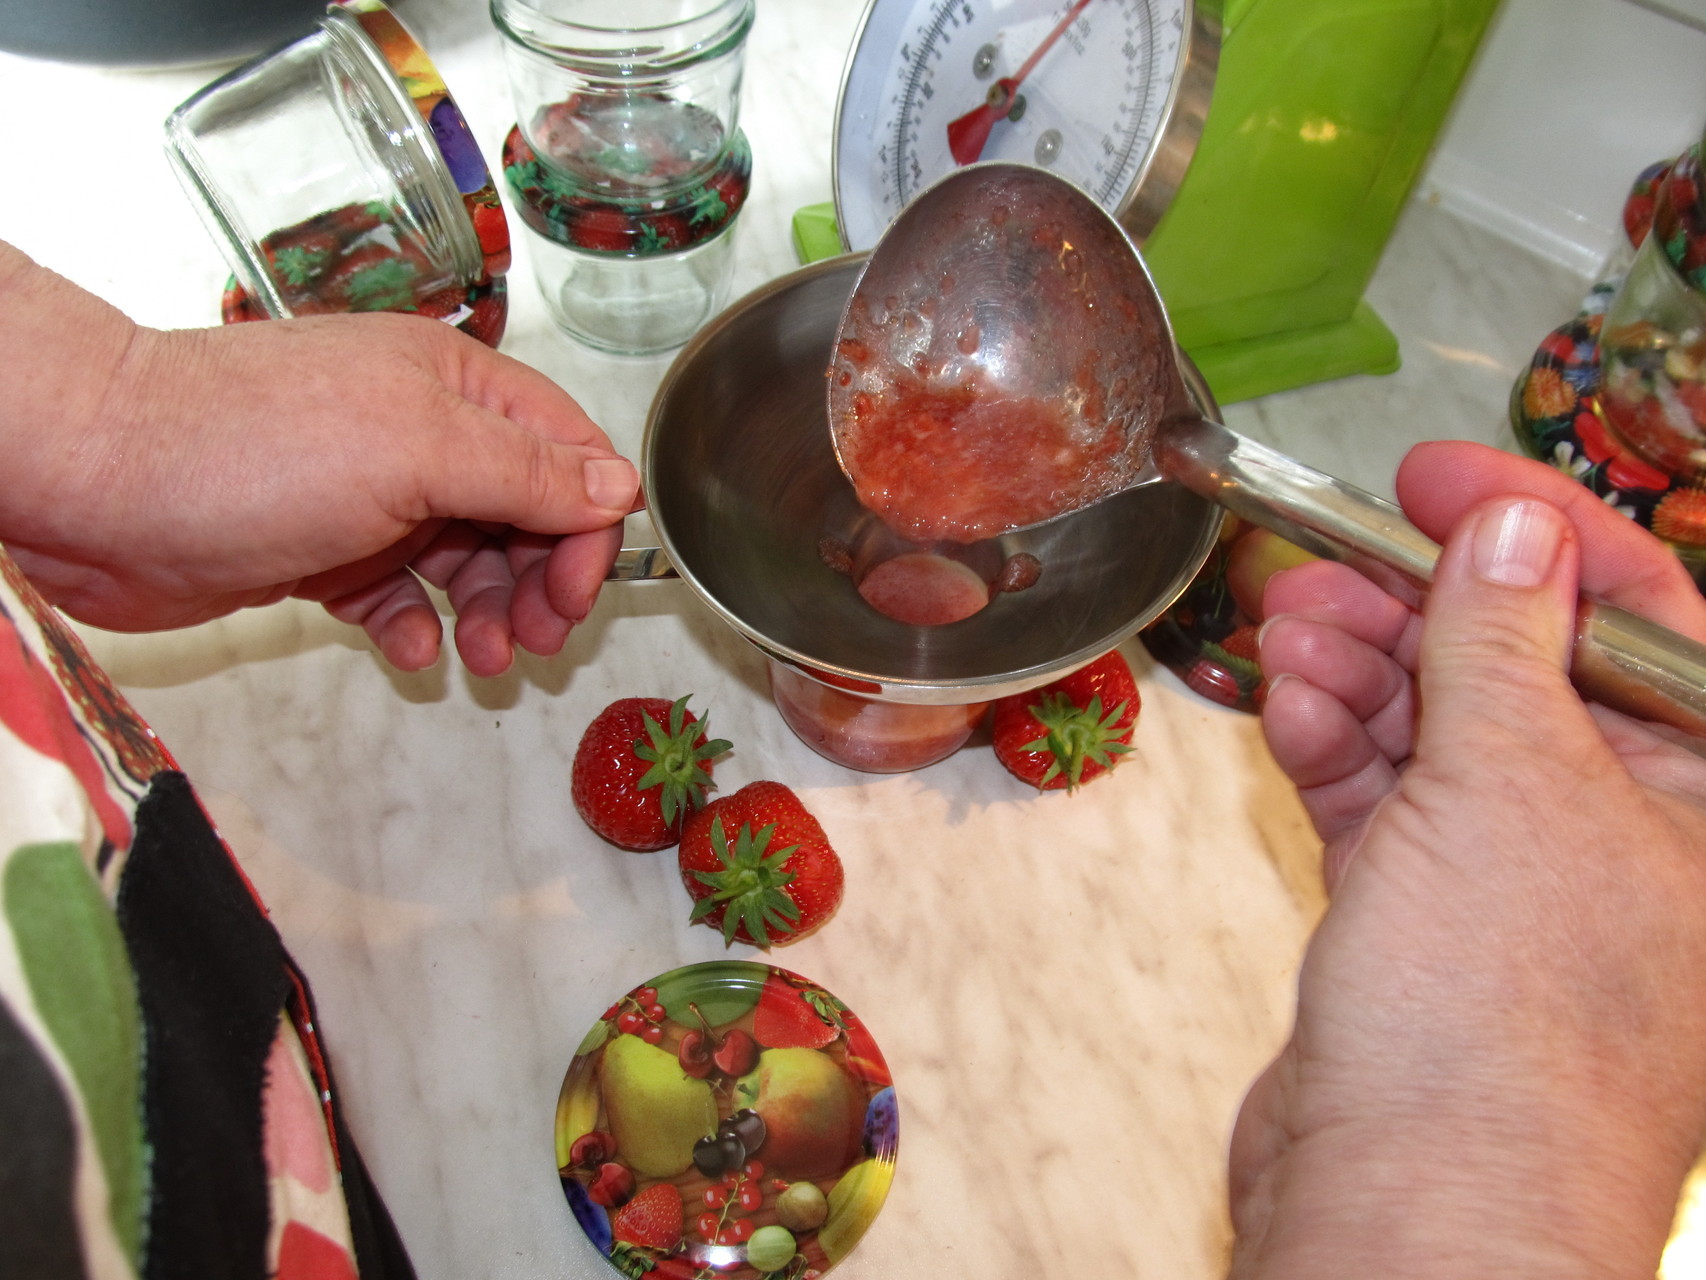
1093,106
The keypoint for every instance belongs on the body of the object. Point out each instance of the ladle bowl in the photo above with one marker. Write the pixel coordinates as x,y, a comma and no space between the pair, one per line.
1005,357
743,489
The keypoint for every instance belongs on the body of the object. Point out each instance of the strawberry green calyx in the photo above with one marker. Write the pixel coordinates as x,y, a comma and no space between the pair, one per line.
1076,735
382,286
677,760
297,265
749,885
631,1260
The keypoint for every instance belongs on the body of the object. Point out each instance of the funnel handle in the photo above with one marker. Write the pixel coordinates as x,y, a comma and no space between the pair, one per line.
641,564
1620,659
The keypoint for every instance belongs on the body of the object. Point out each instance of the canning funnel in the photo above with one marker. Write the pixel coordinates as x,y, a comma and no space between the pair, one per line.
1004,359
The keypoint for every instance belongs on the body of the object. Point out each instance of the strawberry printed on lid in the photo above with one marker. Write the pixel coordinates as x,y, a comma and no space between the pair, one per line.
584,217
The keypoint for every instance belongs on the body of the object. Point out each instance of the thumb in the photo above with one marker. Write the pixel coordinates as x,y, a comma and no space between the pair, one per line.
1498,628
507,474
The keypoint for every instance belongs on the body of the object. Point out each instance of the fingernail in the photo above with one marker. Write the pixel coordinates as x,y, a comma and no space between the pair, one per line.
1516,545
611,483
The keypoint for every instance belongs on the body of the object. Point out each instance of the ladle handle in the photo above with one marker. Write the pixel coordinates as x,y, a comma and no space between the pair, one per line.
640,564
1620,659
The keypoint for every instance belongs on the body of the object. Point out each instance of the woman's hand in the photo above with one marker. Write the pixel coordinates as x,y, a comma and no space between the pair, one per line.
1498,1065
159,479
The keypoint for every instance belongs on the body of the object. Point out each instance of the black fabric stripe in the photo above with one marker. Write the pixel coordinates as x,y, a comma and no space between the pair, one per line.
38,1161
210,973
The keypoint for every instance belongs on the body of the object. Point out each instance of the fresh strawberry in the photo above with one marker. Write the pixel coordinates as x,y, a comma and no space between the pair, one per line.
759,866
635,781
1071,730
651,1219
794,1015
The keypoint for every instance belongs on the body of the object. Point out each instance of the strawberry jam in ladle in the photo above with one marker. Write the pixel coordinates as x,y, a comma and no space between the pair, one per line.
1004,359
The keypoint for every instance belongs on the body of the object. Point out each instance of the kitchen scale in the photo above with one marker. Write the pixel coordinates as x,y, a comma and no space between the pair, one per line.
1259,150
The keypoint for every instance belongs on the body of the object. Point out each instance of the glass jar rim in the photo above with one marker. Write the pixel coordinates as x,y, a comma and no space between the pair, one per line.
719,29
427,164
339,40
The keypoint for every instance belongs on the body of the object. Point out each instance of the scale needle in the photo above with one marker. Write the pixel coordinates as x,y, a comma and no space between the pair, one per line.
968,134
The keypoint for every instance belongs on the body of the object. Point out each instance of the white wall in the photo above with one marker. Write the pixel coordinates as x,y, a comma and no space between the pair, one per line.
1567,101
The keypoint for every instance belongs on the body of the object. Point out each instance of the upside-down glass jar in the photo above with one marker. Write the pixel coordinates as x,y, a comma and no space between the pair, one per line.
337,174
627,161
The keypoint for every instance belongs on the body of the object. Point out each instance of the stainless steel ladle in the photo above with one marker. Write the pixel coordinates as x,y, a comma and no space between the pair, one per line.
1005,337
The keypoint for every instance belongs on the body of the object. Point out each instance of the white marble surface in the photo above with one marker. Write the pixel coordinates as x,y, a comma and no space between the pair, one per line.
1072,992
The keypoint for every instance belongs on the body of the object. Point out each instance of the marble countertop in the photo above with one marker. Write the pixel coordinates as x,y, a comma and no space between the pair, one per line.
1072,992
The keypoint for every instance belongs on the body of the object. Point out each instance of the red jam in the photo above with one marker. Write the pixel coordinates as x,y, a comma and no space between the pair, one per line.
924,589
865,734
964,462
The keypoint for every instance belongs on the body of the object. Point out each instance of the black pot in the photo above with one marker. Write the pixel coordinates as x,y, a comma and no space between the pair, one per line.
152,33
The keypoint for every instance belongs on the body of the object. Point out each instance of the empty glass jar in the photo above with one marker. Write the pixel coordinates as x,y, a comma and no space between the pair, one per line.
337,174
627,160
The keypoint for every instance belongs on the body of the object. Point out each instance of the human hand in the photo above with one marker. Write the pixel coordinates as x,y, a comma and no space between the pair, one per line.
178,476
1498,1064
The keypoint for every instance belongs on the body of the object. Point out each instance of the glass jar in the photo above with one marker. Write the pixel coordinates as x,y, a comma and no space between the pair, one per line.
627,161
631,100
869,734
1652,344
337,174
630,276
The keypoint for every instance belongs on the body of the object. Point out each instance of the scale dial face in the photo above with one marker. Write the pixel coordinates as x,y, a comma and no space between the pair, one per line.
1115,103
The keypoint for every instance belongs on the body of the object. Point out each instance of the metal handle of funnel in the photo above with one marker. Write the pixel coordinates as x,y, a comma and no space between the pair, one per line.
640,564
1620,659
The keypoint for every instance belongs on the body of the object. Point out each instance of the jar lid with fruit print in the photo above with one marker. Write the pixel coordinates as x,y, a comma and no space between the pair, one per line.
1616,396
338,174
728,1118
557,206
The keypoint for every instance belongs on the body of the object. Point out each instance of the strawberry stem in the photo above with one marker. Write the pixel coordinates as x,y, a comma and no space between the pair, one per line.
677,757
1076,735
749,885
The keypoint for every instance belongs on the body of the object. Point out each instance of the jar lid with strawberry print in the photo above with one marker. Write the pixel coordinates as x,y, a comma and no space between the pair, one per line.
728,1117
1678,219
479,310
559,208
1558,408
1556,415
